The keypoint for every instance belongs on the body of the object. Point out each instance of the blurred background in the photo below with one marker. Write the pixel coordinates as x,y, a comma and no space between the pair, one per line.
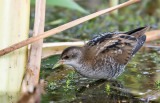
136,15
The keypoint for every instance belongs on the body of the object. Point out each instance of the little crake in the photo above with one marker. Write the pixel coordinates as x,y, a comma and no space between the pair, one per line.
106,55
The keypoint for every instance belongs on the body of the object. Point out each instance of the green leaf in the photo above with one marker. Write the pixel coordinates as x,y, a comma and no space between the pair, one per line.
64,3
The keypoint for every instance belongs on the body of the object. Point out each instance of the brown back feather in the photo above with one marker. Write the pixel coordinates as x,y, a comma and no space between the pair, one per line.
120,46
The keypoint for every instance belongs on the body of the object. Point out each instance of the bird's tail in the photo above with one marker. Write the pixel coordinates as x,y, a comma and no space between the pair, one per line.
138,32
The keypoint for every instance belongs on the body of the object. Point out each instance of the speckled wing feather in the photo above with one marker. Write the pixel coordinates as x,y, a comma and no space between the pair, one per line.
120,46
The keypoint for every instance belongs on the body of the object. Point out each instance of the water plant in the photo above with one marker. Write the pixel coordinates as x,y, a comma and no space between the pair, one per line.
107,87
70,79
52,85
157,84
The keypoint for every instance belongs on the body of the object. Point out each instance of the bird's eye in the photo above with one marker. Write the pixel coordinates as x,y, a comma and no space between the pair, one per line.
66,57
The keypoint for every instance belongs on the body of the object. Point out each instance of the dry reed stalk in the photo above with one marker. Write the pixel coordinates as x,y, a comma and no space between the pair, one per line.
31,77
153,35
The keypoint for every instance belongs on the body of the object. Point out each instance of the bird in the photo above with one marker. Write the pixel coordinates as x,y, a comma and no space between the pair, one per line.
106,55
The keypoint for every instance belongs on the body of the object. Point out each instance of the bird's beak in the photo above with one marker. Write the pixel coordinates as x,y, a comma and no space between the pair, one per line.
58,64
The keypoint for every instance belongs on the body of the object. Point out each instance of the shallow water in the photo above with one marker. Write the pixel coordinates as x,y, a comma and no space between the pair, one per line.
139,83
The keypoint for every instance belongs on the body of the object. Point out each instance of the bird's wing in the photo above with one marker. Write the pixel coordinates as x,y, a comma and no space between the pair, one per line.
118,46
121,46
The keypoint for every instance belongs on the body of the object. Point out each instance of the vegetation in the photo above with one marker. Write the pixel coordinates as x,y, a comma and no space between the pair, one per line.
64,3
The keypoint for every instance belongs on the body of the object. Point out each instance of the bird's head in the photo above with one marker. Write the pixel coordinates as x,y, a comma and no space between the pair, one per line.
70,56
